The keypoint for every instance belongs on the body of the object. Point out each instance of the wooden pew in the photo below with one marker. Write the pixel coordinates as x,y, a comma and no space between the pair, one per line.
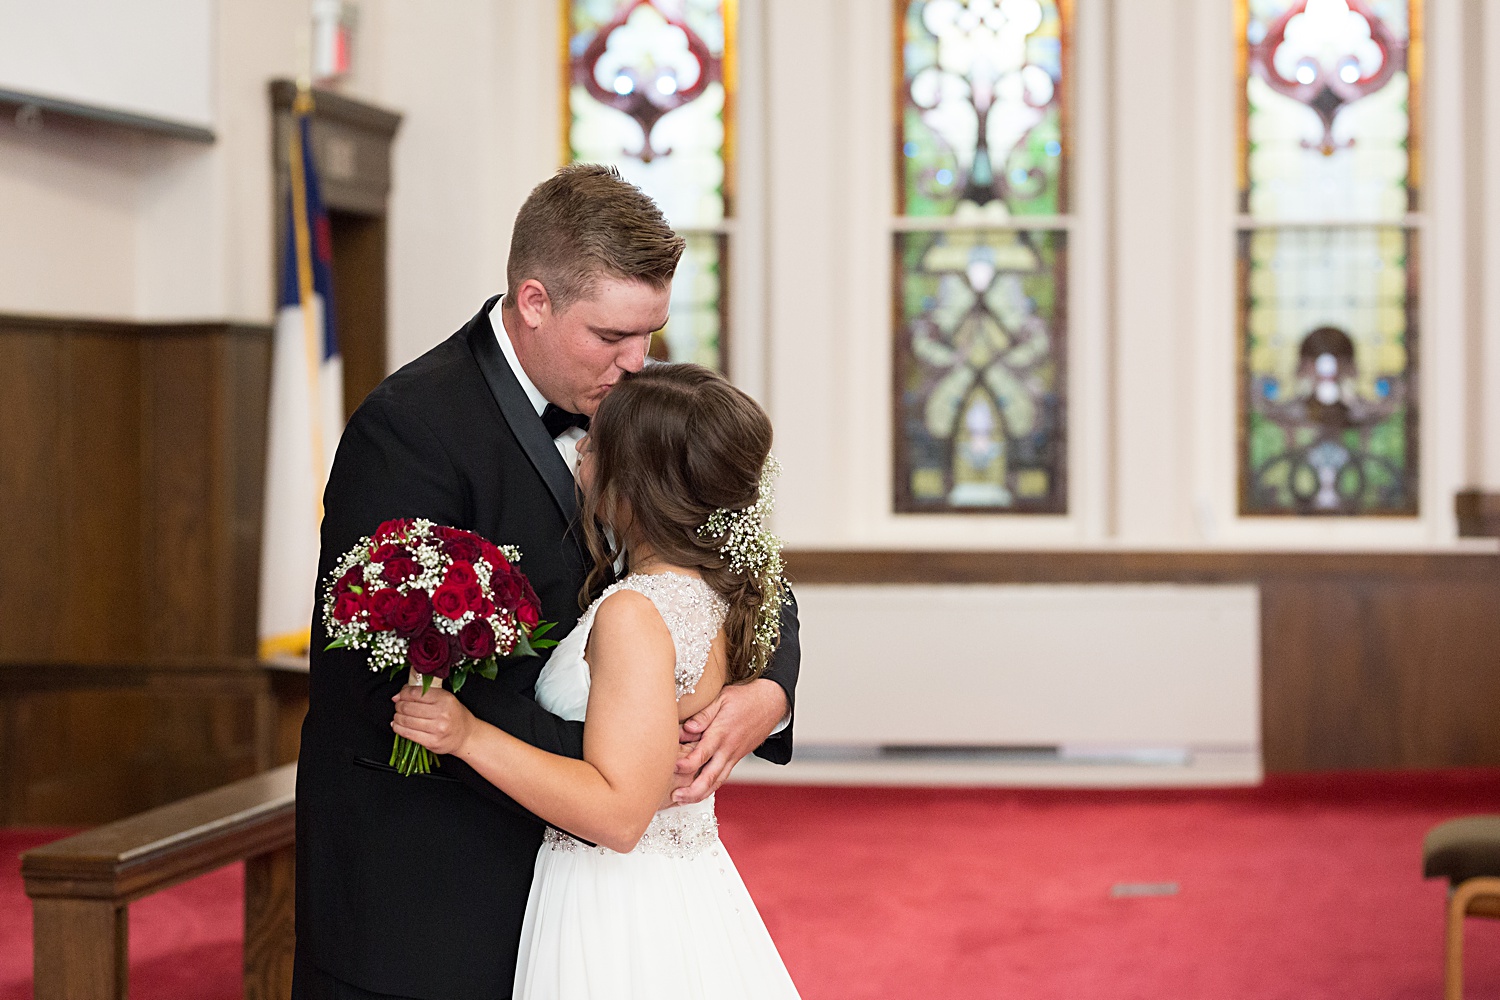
81,886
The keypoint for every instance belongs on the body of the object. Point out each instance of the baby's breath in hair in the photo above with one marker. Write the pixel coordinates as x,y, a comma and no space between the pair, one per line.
755,552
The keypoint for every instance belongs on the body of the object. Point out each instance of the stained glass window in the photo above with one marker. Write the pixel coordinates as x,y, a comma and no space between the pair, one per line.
980,253
1328,235
650,87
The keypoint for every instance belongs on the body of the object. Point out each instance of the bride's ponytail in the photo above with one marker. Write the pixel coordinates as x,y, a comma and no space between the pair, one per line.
680,460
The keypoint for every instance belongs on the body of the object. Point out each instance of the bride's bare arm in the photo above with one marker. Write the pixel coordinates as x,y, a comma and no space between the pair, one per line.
629,742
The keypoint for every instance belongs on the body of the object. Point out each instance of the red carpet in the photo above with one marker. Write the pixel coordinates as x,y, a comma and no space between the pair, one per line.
1308,888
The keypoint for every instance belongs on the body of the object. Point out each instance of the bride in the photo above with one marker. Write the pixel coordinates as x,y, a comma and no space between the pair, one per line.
634,897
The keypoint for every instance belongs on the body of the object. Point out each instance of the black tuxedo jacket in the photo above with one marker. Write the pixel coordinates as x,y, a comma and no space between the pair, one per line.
416,886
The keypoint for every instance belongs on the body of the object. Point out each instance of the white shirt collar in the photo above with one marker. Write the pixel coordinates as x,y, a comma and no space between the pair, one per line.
538,401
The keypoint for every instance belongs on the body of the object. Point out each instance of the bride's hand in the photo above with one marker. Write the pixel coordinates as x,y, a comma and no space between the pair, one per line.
437,720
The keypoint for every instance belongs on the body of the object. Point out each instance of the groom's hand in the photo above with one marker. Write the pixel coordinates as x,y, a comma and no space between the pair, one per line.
733,725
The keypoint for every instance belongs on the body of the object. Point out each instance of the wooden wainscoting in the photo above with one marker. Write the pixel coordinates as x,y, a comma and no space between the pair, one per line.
1478,513
87,744
131,468
1368,660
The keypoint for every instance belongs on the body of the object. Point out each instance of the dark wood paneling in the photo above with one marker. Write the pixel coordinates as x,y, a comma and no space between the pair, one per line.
1478,514
289,699
1368,660
359,295
133,454
89,744
131,461
68,450
351,144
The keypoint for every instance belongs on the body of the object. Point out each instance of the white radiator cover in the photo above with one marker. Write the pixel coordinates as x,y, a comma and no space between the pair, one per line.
1096,665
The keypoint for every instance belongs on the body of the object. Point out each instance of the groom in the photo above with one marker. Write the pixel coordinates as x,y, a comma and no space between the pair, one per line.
416,887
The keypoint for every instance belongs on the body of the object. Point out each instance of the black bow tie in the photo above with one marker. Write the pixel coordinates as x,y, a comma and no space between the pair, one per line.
558,420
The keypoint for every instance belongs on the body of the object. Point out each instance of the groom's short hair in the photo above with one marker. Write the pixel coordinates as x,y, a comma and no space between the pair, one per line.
586,222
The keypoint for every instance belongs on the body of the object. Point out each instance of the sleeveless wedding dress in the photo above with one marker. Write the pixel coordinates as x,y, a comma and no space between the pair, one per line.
671,920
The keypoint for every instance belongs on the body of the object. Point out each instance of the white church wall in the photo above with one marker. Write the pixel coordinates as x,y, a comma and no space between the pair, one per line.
107,223
1486,386
68,201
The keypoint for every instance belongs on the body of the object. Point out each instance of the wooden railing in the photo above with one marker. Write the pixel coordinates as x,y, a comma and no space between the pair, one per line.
81,887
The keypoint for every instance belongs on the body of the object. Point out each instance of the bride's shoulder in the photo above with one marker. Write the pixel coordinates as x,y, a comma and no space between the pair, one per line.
625,614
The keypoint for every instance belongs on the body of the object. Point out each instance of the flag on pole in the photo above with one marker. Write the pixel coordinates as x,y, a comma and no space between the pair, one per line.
307,407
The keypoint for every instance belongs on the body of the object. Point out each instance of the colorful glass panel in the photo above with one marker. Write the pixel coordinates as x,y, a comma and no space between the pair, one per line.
1329,414
650,90
1331,408
980,388
980,307
696,329
981,116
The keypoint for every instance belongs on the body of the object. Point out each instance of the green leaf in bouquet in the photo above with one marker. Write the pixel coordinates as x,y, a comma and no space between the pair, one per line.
457,680
340,643
543,643
356,589
541,630
426,682
523,645
488,668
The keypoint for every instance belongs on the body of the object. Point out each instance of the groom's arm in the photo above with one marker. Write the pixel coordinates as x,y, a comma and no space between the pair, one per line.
744,717
783,668
390,464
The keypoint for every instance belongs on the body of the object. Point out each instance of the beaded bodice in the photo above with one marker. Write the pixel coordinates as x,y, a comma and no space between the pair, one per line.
675,832
693,613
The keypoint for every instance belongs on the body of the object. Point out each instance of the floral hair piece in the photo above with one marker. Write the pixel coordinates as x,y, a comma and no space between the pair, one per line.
755,552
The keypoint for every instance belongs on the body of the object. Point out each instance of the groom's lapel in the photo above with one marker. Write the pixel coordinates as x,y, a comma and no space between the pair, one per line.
519,413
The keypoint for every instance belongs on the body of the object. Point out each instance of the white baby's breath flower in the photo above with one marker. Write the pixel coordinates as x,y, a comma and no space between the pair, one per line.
754,551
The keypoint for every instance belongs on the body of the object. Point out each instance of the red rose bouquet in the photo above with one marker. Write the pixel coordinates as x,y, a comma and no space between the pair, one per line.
439,602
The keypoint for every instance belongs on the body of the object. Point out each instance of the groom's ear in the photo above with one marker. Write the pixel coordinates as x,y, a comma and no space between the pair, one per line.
533,304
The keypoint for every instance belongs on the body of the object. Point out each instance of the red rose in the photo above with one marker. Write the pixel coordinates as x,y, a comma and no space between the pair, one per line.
529,614
460,574
473,597
385,552
382,605
347,605
528,596
393,529
493,555
354,578
444,532
399,569
486,608
507,589
476,640
449,602
464,548
431,653
412,614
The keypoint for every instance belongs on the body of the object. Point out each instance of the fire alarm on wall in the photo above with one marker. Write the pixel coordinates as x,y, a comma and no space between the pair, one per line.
334,22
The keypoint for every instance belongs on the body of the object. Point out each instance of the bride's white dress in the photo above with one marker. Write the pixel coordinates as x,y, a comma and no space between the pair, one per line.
671,920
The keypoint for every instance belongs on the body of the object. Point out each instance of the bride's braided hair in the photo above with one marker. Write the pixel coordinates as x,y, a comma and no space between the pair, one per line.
670,446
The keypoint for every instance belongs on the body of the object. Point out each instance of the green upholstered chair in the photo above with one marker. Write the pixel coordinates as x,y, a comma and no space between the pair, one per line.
1466,852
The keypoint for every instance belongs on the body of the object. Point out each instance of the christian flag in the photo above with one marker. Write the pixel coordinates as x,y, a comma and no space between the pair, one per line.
307,408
